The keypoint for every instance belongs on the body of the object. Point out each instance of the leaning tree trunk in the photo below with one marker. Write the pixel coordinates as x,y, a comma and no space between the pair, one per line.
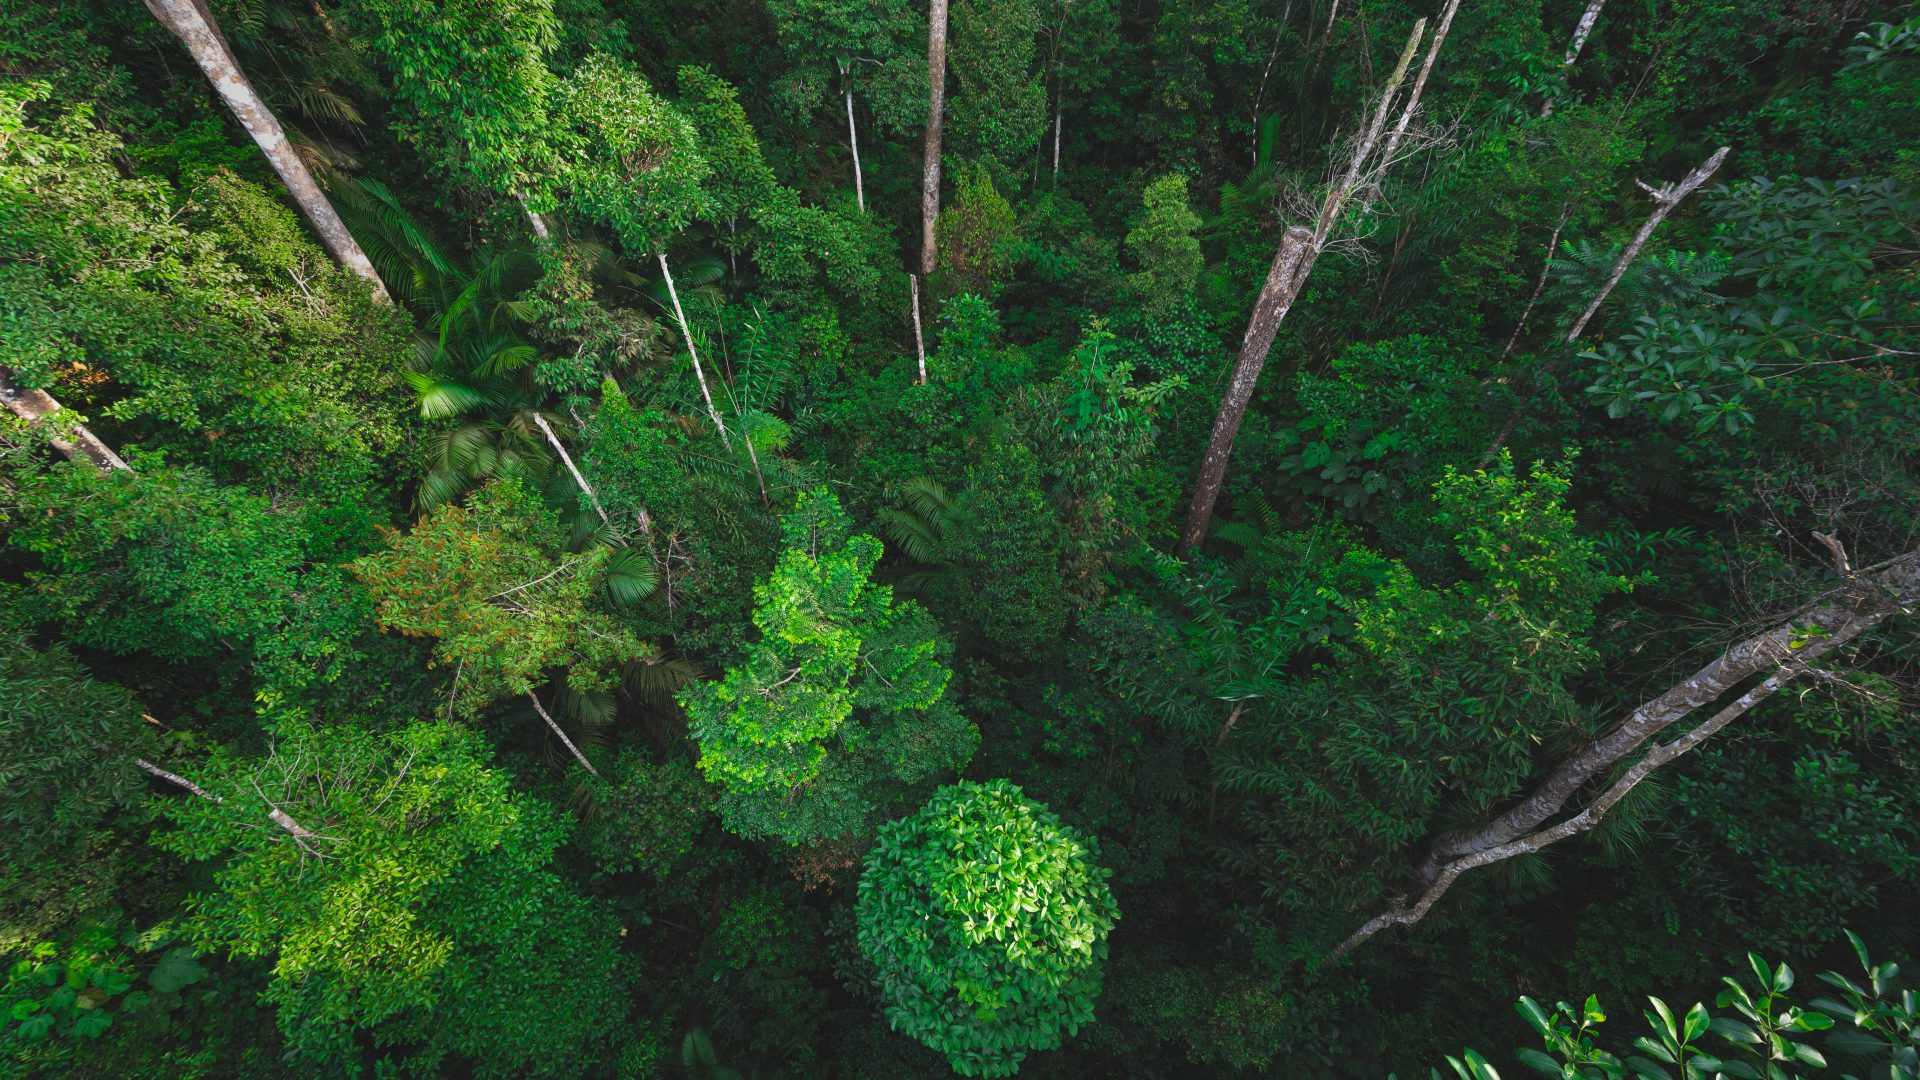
572,749
193,24
1664,200
686,331
35,406
936,110
1299,247
1580,31
853,139
1783,653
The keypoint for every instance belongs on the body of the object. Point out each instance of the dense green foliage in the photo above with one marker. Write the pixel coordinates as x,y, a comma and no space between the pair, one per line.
676,637
986,920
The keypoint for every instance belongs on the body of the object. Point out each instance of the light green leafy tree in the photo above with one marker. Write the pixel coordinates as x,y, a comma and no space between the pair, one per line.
840,706
473,86
1162,242
987,919
407,891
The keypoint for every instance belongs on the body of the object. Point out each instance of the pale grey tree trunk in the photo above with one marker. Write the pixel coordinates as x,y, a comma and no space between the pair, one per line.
1581,30
936,112
1299,248
686,331
568,743
193,24
919,337
299,832
586,488
1664,200
1059,120
534,220
1783,653
853,139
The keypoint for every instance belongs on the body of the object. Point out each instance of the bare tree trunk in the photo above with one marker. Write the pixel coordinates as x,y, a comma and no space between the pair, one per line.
1419,85
538,223
1059,119
1664,200
574,750
1784,653
919,338
1580,31
686,331
585,487
193,24
1539,285
1299,247
936,110
278,816
853,139
34,406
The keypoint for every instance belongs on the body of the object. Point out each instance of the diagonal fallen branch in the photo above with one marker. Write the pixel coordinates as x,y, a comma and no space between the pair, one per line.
1863,601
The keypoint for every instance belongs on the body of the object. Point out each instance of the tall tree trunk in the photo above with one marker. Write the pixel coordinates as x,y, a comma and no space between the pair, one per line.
853,138
936,115
1785,652
1299,247
534,220
1580,31
686,332
919,337
34,406
193,24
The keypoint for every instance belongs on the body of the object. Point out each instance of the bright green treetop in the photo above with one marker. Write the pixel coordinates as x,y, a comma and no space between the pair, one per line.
411,894
473,85
493,583
633,161
987,919
841,700
1163,244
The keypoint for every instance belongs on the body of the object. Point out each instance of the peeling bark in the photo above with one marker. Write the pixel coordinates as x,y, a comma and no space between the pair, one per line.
1299,248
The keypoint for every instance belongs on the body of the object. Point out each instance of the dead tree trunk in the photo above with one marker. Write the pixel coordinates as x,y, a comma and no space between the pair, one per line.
693,353
1664,200
1299,247
566,458
936,111
574,750
919,337
1782,653
853,137
35,406
193,24
1581,29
